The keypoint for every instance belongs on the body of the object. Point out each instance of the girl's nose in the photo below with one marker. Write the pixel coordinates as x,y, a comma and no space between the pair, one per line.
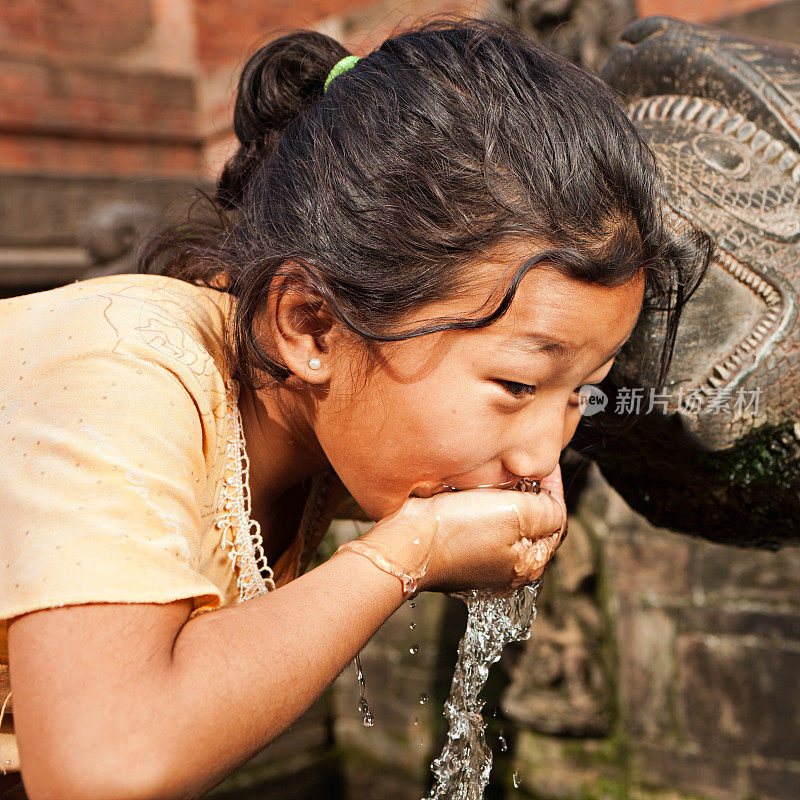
533,449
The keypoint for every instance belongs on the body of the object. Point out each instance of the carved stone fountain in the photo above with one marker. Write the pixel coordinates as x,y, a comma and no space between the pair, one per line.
717,455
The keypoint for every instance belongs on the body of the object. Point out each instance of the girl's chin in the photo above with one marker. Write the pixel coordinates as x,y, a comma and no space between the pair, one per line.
378,508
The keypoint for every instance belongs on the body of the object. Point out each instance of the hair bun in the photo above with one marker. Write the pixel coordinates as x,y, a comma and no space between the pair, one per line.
277,83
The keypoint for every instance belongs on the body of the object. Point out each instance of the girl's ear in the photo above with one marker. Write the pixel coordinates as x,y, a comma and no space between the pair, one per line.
304,331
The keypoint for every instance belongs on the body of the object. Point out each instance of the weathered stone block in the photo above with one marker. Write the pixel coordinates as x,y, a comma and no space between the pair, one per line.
648,563
27,200
60,155
777,627
646,673
602,507
775,782
553,768
404,736
370,780
722,573
740,698
40,96
713,778
560,682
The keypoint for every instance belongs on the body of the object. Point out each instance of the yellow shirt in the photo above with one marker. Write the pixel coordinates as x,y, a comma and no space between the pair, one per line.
118,456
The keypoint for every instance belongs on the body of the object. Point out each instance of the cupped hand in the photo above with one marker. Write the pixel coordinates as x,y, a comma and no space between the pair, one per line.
490,539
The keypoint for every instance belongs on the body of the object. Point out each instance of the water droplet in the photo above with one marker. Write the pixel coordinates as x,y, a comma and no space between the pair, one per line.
412,605
501,740
423,698
515,779
414,649
367,720
416,722
413,625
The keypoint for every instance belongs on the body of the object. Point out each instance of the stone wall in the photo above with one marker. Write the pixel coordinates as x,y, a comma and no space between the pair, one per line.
130,101
703,655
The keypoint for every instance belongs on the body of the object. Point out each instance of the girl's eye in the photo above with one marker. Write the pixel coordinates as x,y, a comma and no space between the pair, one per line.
518,390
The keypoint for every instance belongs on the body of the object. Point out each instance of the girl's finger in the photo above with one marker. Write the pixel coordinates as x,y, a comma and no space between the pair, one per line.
543,514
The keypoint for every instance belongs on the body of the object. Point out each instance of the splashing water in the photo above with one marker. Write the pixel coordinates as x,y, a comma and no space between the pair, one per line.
493,621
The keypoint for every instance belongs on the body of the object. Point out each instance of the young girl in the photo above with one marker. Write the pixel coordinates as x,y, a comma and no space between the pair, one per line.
421,256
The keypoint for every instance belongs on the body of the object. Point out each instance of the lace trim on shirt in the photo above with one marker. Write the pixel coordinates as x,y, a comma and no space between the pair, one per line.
241,536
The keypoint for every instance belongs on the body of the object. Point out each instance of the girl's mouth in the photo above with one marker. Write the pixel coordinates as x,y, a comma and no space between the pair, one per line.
519,484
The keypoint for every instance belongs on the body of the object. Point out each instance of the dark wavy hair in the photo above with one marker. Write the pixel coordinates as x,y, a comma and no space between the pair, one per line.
454,137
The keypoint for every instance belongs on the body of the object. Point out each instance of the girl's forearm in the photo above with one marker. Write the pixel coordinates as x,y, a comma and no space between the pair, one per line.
241,675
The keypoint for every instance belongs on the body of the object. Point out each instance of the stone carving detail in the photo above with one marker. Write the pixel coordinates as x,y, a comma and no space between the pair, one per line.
559,685
719,166
584,31
719,454
110,232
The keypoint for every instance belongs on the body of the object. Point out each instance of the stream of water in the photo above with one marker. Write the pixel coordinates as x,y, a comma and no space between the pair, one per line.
462,770
494,620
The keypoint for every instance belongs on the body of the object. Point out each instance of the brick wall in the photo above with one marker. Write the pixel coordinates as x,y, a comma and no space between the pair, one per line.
699,10
97,105
83,92
131,100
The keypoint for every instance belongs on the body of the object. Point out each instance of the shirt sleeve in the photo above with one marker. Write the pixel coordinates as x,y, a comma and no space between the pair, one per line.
102,475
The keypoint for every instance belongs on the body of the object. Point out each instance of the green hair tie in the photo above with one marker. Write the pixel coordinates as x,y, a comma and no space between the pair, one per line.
342,65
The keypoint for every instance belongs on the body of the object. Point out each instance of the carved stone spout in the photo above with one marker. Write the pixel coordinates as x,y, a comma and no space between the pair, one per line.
717,453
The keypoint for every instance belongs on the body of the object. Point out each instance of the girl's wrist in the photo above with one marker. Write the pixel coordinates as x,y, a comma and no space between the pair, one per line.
365,569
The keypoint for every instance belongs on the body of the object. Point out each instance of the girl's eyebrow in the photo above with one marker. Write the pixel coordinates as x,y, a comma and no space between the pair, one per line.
562,351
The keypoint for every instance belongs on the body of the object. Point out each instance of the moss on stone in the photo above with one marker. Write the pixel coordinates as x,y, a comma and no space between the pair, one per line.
747,495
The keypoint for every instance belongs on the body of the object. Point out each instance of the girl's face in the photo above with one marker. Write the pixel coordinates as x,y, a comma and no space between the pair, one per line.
470,408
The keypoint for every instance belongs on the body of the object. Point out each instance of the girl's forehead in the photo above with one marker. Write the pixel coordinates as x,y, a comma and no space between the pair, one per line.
550,304
555,320
548,295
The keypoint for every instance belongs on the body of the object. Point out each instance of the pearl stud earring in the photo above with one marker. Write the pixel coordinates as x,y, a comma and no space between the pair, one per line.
315,363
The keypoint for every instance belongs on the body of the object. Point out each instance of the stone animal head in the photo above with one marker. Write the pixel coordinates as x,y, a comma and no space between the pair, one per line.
717,451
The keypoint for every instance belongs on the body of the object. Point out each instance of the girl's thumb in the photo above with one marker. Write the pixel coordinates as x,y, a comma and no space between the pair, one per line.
555,485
